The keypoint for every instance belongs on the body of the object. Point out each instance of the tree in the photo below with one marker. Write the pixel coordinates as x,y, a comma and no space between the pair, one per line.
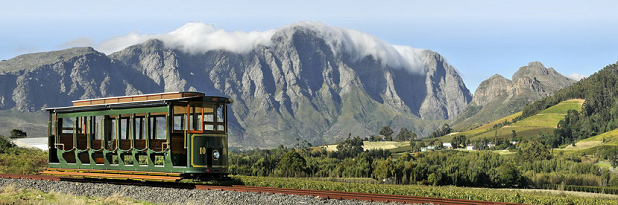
535,150
438,145
292,164
506,175
444,130
350,147
433,179
5,144
405,135
386,131
17,133
459,141
384,170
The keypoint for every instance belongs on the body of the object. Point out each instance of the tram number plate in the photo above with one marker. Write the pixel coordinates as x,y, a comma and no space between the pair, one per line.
202,150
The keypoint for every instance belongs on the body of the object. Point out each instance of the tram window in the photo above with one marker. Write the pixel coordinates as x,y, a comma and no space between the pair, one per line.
124,128
179,117
98,127
220,114
157,125
67,125
139,128
196,118
113,129
209,117
81,125
179,122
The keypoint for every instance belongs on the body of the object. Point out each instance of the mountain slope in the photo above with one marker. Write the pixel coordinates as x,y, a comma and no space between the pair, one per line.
498,97
542,123
598,115
303,84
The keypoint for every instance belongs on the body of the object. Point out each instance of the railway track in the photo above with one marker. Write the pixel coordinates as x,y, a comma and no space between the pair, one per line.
241,188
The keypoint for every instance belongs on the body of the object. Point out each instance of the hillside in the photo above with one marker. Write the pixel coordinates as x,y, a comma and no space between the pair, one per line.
608,139
304,81
543,123
598,115
498,97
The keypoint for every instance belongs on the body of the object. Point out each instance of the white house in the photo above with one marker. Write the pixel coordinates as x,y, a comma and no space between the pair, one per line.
470,147
447,145
428,148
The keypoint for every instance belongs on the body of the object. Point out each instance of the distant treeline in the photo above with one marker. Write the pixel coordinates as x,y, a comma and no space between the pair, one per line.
532,167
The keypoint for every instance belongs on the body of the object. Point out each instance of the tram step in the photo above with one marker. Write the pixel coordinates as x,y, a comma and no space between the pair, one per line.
115,172
111,176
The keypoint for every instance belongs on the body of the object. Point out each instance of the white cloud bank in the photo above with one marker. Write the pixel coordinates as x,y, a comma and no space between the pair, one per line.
200,38
576,76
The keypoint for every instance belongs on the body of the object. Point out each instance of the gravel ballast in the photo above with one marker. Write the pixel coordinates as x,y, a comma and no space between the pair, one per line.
162,195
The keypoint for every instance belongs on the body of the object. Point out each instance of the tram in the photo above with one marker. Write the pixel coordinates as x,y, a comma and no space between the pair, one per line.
178,135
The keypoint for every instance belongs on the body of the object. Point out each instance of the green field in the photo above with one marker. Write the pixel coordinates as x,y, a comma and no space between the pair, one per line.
608,139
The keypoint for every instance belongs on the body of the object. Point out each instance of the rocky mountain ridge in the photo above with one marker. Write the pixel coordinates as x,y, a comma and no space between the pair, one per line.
301,85
499,97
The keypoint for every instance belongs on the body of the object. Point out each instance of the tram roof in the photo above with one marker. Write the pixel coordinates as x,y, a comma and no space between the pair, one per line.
144,100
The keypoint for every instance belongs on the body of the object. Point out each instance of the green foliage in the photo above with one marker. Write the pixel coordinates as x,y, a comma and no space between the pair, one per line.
506,175
17,160
349,147
17,133
444,130
534,150
405,135
599,112
384,170
5,145
459,141
386,131
291,165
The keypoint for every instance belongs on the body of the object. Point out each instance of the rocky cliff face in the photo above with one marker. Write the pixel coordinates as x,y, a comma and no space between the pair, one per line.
300,86
498,97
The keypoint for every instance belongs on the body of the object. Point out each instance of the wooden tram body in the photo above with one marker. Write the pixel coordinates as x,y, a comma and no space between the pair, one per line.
182,133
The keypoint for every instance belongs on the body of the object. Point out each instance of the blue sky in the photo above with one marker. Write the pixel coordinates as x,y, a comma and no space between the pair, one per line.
479,38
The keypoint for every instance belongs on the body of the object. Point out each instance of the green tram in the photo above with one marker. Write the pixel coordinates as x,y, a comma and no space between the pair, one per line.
182,133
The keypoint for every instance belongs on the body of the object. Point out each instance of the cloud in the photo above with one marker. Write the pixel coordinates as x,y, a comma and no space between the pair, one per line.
361,45
200,38
78,42
576,76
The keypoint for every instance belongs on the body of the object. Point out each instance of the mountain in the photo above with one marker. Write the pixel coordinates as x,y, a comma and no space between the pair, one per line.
498,97
309,82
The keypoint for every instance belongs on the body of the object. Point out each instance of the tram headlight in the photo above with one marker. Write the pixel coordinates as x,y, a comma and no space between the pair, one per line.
216,154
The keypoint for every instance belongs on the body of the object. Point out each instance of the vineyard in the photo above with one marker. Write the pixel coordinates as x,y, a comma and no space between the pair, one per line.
589,189
483,194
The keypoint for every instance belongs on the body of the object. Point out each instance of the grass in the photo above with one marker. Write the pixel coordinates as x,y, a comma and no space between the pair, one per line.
540,120
563,107
12,195
489,126
606,139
